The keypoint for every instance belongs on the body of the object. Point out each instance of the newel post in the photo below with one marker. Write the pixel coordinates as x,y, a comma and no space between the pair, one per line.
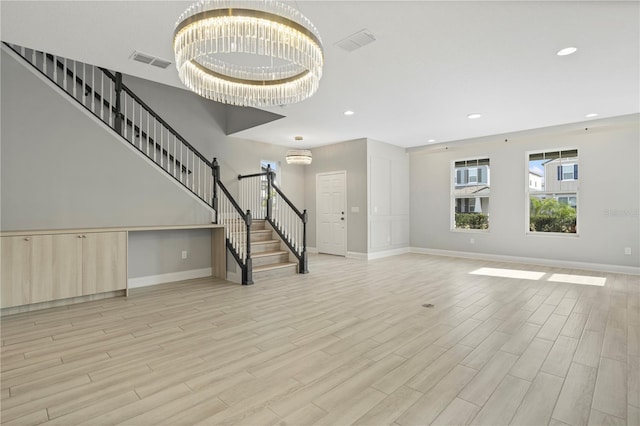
304,260
269,197
215,170
247,271
119,118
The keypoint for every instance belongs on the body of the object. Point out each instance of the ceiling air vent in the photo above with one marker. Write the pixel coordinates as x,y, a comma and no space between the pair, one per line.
150,60
356,40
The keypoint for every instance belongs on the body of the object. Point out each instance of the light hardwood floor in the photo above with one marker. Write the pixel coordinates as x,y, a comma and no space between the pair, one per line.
350,343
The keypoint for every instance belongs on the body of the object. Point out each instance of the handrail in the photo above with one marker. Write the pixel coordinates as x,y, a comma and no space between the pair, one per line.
157,117
240,177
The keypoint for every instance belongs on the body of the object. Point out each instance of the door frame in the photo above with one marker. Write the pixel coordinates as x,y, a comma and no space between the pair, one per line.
346,222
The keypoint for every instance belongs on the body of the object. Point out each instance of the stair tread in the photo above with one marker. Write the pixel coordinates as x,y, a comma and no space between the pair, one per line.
268,253
273,266
265,242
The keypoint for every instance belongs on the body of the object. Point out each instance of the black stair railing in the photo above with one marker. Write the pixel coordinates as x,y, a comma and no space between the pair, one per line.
260,193
111,101
107,98
237,225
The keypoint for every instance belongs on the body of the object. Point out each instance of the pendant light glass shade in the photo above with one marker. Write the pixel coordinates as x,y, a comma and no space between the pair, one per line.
299,156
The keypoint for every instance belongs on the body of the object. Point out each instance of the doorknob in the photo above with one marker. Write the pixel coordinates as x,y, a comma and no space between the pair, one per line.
342,218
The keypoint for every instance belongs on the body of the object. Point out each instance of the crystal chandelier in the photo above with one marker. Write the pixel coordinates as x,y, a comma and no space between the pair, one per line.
299,156
248,52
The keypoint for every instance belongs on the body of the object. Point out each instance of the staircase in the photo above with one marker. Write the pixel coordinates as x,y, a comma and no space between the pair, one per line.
272,240
270,259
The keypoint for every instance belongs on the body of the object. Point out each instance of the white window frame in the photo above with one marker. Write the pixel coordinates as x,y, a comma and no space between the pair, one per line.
452,198
556,194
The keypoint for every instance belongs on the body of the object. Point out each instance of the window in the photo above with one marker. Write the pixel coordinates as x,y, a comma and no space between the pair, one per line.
568,172
473,175
470,194
553,203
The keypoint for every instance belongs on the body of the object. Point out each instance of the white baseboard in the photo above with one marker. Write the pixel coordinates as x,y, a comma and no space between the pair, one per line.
167,278
587,266
377,254
387,253
356,255
312,250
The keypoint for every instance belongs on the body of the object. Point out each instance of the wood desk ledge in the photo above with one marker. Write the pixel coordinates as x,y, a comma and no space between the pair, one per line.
110,229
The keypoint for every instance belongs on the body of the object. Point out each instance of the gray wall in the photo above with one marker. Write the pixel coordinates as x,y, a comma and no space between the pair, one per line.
352,157
145,257
388,171
609,196
62,169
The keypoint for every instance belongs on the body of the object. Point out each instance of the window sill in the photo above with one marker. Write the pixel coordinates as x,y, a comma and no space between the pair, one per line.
470,231
553,234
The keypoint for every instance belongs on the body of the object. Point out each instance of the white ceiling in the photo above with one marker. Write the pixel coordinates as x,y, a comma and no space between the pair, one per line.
431,65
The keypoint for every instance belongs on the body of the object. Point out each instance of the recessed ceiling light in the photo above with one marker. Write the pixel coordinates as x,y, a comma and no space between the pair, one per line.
474,115
349,112
593,114
431,140
567,51
298,138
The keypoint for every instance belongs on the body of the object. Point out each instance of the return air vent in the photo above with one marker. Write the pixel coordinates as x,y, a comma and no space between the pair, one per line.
150,60
356,40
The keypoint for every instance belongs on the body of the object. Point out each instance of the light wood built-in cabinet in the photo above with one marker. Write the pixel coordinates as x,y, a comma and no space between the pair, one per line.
70,265
42,268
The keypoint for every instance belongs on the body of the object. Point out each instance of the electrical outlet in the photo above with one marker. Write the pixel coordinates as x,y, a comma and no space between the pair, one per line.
184,254
472,240
627,251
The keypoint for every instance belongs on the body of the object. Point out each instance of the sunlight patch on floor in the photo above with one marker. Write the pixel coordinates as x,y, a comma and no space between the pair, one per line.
509,273
578,279
535,276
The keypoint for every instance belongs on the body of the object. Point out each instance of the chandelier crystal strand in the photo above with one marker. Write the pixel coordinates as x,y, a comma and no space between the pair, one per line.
267,29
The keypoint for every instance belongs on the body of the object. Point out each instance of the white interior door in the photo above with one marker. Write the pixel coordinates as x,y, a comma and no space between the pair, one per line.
331,220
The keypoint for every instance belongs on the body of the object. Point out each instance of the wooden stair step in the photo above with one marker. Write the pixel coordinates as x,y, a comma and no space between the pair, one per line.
273,266
265,242
269,253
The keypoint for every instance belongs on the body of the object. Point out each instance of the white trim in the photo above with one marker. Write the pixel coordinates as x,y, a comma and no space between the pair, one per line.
377,254
167,278
586,266
387,253
312,250
356,255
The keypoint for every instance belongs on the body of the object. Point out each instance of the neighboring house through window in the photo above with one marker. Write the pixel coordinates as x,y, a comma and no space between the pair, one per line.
470,194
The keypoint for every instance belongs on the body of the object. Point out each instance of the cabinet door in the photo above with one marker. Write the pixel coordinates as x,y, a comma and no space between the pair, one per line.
41,269
104,262
16,261
67,266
